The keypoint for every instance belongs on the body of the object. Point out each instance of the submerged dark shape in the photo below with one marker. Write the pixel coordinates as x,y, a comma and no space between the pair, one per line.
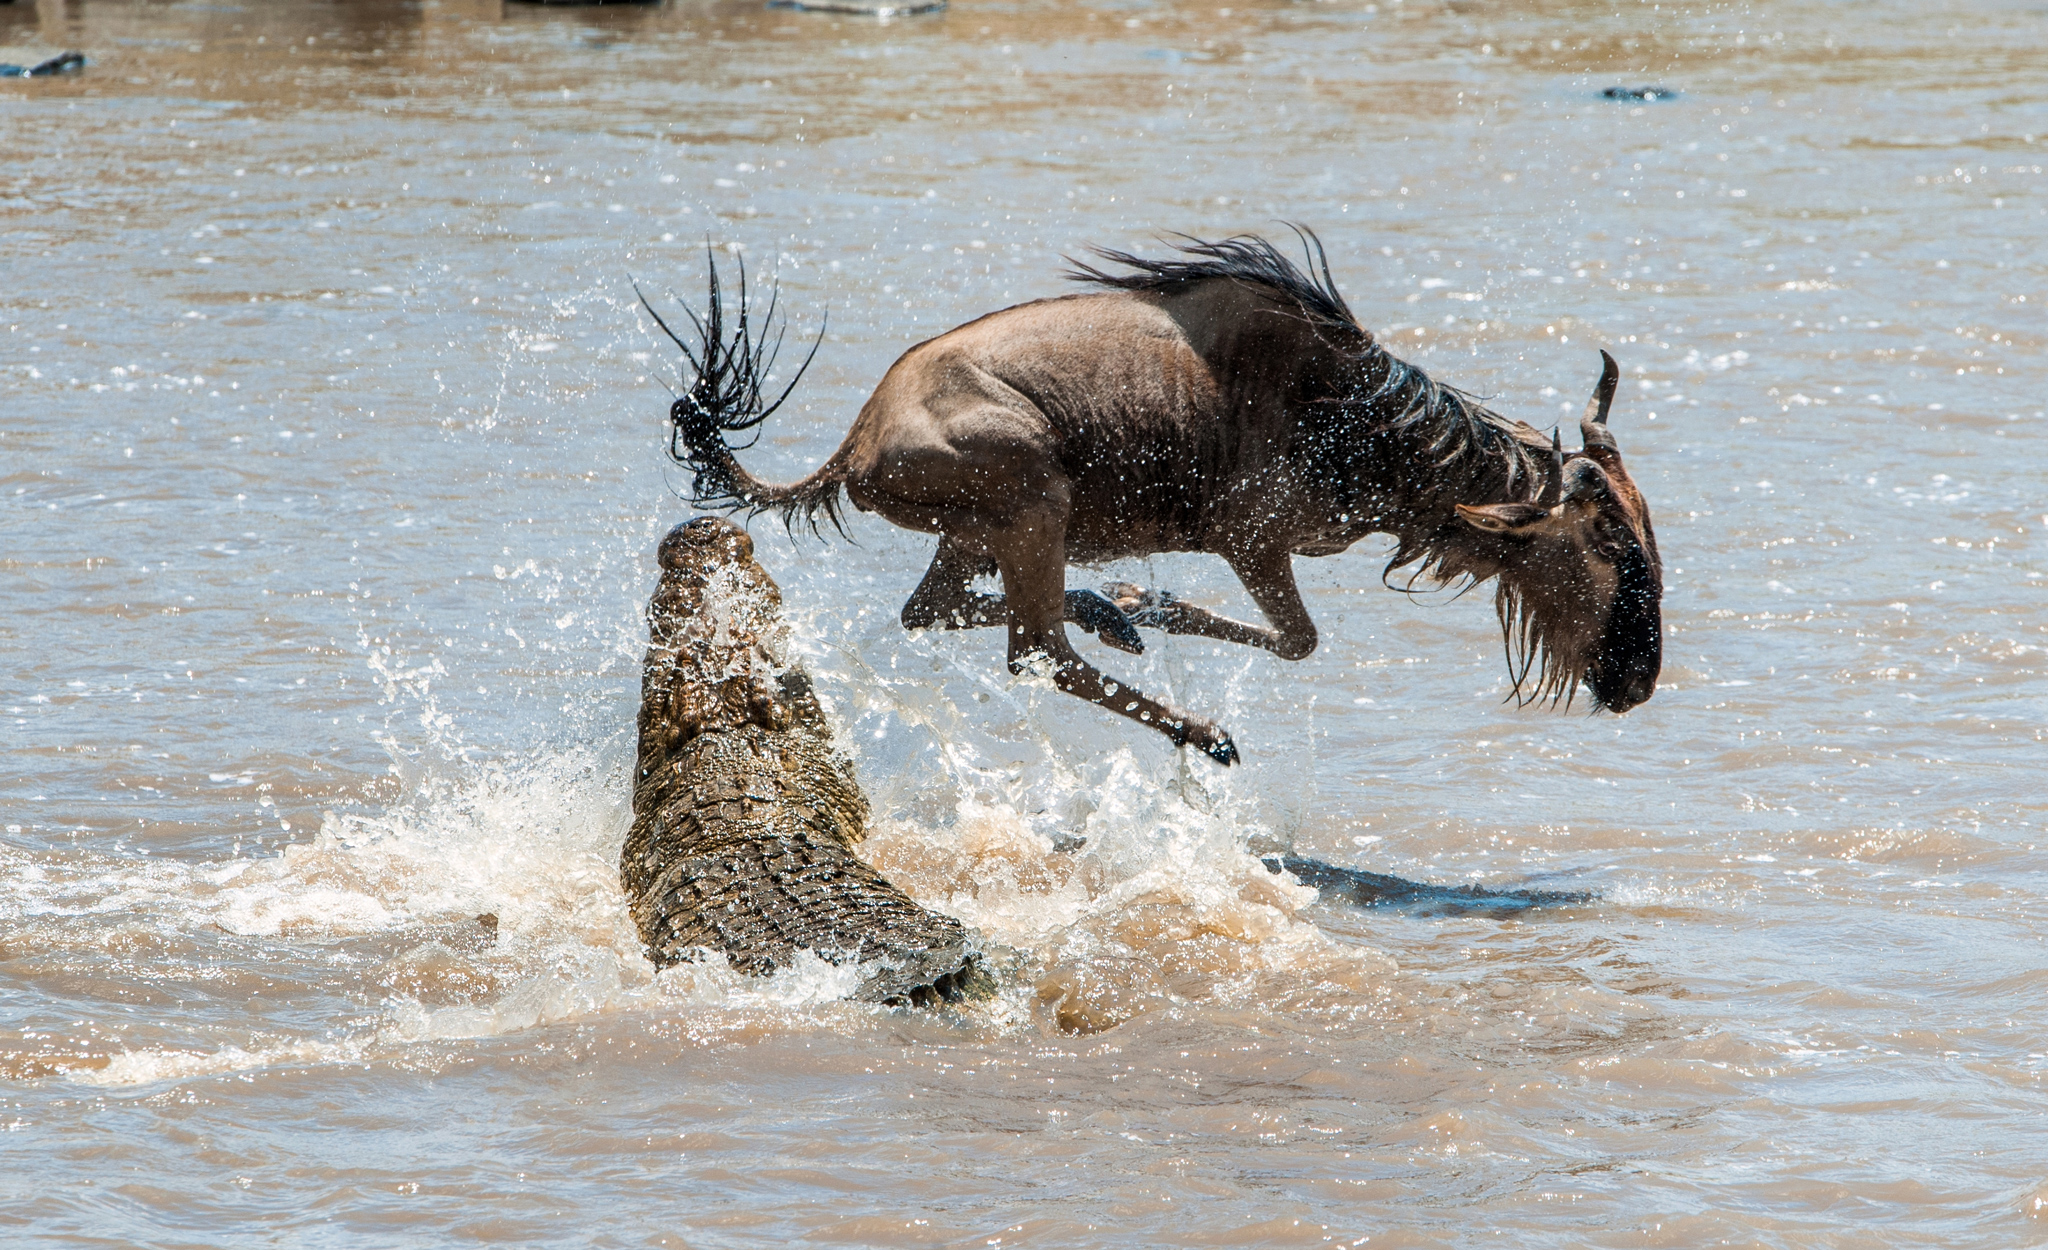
1223,401
744,815
62,63
1639,93
1372,889
862,8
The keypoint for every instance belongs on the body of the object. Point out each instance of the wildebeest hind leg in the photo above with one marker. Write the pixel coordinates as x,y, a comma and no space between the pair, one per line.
1032,561
1270,579
945,599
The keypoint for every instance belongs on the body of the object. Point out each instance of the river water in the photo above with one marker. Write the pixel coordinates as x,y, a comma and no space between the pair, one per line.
330,478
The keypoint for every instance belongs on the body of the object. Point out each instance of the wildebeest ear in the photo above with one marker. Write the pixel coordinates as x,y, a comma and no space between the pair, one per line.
1501,518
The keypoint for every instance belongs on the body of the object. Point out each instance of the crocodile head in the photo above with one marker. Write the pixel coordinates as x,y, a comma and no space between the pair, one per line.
719,646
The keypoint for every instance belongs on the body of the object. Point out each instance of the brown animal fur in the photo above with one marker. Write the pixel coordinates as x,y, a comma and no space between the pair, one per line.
1224,402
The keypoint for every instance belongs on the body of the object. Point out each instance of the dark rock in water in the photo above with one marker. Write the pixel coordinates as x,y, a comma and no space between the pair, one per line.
1651,94
63,63
863,8
745,817
1372,889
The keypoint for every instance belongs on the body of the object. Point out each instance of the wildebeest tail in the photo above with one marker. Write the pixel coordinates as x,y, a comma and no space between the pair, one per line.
726,396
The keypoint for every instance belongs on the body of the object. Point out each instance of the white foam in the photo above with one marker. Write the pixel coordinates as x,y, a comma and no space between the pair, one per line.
1162,877
535,843
555,984
149,1066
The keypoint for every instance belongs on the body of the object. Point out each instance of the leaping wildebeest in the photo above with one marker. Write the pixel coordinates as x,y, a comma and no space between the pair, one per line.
1223,401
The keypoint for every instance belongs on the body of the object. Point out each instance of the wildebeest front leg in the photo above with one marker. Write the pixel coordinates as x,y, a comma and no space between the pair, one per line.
1269,576
1033,567
946,599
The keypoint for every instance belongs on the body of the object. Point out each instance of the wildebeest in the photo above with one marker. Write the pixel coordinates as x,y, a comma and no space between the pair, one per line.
1222,401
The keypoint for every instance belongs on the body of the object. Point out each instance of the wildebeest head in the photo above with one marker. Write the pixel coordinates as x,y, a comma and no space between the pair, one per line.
1580,578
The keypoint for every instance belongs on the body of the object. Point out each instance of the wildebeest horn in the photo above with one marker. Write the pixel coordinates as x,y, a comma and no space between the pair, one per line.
1593,426
1553,489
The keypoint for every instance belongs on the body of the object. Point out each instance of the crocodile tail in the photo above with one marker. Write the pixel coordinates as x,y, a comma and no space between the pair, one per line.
728,396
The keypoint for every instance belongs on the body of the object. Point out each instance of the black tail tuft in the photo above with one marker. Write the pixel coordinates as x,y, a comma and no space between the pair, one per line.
726,396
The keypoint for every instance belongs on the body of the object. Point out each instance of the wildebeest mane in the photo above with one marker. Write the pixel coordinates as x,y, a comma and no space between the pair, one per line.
1456,433
1243,258
1474,446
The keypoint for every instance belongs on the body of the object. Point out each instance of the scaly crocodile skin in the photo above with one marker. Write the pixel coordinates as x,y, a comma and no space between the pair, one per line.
744,816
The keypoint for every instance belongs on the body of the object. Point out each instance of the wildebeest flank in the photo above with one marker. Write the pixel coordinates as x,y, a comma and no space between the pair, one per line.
1222,401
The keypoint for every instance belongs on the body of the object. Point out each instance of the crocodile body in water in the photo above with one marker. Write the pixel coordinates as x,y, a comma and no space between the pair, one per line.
745,817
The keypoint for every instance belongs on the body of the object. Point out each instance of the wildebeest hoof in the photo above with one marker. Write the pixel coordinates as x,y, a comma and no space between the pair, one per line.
1096,614
1221,749
1143,607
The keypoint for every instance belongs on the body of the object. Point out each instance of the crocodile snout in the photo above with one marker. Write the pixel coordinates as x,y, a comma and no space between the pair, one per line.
705,541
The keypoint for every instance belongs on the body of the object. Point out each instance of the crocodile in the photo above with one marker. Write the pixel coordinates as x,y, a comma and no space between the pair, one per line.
745,815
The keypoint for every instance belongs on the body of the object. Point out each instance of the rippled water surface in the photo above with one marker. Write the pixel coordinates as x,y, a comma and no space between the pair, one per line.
330,474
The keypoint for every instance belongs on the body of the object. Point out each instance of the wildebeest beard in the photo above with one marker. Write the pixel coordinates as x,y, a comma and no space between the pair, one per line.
1548,648
1556,636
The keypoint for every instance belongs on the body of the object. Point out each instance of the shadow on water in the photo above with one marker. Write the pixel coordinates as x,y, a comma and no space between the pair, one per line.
1373,889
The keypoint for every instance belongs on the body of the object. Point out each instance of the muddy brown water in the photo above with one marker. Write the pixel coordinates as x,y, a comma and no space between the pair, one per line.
329,485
